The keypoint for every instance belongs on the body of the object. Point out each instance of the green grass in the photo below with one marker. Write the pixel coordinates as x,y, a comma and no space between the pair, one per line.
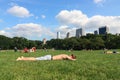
90,65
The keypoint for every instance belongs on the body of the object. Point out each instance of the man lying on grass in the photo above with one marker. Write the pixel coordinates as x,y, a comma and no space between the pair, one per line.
48,57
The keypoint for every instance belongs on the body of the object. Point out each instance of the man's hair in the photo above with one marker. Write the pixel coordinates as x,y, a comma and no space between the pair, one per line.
73,56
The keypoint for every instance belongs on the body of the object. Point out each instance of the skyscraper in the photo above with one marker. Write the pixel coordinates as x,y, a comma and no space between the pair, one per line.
68,35
44,41
103,30
95,32
58,35
79,32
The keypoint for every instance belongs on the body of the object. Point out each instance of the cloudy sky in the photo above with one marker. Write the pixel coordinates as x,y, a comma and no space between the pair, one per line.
38,19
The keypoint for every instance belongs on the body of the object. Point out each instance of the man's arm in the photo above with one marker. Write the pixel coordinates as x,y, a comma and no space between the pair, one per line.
69,58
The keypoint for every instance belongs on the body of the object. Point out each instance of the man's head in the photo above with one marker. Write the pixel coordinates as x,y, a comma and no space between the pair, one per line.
73,56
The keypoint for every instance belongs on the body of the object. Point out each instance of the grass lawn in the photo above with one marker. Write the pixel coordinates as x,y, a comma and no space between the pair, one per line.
90,65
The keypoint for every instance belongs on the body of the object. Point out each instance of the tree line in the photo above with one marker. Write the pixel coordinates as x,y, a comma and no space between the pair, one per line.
90,41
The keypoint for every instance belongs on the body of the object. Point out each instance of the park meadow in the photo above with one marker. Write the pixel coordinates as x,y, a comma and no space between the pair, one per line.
90,65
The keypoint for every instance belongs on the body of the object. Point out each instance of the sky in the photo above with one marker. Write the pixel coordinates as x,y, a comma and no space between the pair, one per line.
38,19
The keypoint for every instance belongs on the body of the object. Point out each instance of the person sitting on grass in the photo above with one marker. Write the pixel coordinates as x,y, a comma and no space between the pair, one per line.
48,57
25,50
110,52
33,49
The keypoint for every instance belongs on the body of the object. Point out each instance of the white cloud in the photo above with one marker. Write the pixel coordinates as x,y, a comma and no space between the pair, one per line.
43,16
98,1
74,17
77,19
111,21
19,11
3,32
27,30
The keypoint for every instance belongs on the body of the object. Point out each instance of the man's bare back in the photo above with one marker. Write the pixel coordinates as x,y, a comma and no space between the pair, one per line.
62,57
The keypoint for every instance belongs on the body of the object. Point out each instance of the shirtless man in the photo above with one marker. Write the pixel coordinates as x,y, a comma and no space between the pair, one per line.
48,57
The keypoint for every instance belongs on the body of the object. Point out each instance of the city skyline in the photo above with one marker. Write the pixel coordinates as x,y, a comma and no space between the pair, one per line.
81,32
38,19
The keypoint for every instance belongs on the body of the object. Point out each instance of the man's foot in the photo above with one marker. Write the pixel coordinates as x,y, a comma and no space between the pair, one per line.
22,57
18,59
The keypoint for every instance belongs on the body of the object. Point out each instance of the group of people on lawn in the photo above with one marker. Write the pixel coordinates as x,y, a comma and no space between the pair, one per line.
55,57
26,50
45,57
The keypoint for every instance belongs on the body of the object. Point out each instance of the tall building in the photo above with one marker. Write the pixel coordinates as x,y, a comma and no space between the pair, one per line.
44,41
79,32
58,35
103,30
95,32
68,35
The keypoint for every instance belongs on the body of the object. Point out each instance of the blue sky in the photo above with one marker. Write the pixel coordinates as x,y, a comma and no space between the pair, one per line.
38,19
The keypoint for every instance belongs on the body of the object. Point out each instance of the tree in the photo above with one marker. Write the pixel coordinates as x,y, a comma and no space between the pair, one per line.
20,42
97,43
5,42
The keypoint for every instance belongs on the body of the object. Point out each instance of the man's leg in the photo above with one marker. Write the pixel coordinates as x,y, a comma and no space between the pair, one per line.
26,58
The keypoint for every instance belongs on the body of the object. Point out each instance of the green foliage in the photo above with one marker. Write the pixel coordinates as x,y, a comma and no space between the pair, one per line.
90,65
90,41
5,42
